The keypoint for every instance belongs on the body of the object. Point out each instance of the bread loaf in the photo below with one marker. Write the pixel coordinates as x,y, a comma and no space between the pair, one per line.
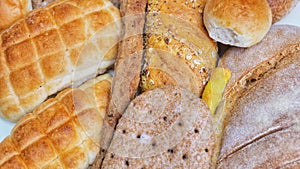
165,127
280,8
52,48
126,69
262,76
237,22
63,132
178,50
12,10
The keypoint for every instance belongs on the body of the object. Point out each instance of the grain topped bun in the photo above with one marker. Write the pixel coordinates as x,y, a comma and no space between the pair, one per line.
237,22
165,127
12,10
280,8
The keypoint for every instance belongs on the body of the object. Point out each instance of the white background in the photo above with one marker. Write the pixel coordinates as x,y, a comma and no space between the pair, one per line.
293,19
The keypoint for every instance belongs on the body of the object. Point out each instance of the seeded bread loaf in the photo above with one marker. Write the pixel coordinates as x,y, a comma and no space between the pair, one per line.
52,48
177,48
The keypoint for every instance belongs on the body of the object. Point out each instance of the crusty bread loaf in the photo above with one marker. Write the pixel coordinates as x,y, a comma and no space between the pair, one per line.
51,48
165,127
12,10
178,50
248,67
237,22
126,69
263,128
63,132
280,8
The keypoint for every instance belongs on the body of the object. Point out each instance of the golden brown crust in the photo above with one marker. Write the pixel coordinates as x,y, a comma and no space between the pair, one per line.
55,47
63,131
237,22
177,46
280,8
12,10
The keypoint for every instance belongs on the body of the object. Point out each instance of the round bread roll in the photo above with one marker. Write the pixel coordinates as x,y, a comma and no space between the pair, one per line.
165,127
11,10
280,8
237,22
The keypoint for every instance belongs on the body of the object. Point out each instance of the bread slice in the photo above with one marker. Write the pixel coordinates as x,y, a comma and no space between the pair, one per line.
52,48
165,127
63,132
178,49
278,50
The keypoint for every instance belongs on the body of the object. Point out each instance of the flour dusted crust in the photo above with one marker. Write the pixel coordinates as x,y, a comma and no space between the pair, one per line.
263,129
63,132
51,48
255,74
165,127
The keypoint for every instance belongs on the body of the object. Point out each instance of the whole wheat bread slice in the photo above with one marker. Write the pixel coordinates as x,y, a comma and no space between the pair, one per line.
165,127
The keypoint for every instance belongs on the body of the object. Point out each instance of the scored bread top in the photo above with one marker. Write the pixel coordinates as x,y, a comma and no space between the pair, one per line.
51,48
63,132
263,130
249,64
165,127
178,49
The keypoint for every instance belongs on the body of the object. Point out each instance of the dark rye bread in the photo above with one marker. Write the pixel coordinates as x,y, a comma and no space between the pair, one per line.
248,66
165,127
127,67
263,130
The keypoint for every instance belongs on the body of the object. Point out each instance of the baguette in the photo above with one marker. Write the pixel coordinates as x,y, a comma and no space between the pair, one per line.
63,132
12,10
166,127
252,70
126,69
52,48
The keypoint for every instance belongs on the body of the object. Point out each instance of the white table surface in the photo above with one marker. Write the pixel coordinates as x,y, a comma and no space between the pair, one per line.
293,18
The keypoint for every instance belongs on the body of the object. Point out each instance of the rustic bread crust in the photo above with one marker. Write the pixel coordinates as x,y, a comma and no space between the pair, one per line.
52,48
276,51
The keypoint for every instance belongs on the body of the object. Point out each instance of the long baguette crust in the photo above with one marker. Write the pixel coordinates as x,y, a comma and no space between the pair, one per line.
126,70
52,48
63,132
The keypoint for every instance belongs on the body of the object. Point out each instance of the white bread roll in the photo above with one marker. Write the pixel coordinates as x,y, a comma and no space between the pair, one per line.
11,10
237,22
